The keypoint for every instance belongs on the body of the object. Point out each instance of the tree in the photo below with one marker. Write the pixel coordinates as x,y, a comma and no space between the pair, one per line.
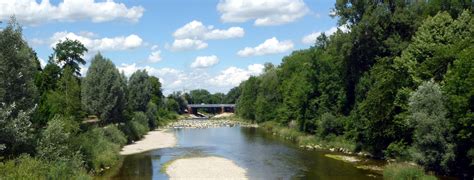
70,53
199,96
139,91
66,99
156,93
103,92
172,105
459,89
180,99
268,95
152,115
246,102
55,141
17,69
232,96
430,137
16,129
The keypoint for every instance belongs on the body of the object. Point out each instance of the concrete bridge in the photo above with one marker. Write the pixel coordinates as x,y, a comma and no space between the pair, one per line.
216,108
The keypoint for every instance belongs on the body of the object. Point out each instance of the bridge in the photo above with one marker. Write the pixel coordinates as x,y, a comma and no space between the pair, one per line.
216,108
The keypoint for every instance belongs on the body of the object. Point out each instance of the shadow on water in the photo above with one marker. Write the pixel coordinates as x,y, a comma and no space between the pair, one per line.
263,156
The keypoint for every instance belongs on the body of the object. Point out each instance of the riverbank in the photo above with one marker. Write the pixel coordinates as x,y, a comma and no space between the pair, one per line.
208,123
205,168
153,140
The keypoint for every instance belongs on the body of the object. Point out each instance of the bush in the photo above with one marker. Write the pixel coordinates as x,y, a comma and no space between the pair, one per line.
398,150
113,134
55,142
330,125
152,114
402,171
136,127
26,167
99,152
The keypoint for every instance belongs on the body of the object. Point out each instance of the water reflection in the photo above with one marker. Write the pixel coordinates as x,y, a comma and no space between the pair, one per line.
261,154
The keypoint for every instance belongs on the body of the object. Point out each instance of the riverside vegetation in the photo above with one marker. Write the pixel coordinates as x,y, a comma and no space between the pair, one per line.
57,124
395,81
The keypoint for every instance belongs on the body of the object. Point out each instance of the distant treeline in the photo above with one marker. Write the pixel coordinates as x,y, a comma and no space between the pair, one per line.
399,84
57,124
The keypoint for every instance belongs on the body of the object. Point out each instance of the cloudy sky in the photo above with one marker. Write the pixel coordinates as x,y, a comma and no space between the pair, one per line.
188,44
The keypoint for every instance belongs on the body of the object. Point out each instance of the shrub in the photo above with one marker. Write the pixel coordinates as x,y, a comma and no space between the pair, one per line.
402,171
398,150
98,151
330,124
136,127
152,114
55,139
26,167
113,134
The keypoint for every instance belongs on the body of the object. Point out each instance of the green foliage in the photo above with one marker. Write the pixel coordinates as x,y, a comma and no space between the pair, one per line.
246,102
70,53
114,135
17,69
15,129
428,116
103,91
199,96
98,151
232,96
137,126
156,93
26,167
55,141
139,91
399,150
330,125
459,89
267,94
152,115
400,171
172,105
66,99
180,99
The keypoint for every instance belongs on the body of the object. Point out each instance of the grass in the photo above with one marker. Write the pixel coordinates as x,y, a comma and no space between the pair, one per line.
404,171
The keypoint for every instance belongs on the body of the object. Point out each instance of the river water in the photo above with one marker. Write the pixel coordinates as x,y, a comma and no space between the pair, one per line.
263,156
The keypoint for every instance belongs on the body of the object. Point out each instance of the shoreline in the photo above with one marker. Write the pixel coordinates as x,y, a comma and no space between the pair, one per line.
156,139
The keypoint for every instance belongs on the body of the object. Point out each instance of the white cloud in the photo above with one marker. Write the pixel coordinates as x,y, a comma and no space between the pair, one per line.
197,30
205,61
101,44
155,56
270,46
33,13
177,80
233,76
192,36
187,44
311,38
263,12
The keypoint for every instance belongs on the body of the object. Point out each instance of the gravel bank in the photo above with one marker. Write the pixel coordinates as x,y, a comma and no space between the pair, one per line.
205,168
205,123
153,140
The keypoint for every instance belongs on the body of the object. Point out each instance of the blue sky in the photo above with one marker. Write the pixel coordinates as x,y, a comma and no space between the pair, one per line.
188,44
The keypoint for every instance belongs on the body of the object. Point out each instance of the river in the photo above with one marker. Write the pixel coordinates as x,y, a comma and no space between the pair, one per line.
263,155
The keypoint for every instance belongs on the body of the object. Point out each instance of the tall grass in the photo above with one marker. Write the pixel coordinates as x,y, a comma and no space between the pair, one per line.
403,171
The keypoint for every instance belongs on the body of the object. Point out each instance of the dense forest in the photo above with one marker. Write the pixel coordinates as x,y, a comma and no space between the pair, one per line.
58,124
399,84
